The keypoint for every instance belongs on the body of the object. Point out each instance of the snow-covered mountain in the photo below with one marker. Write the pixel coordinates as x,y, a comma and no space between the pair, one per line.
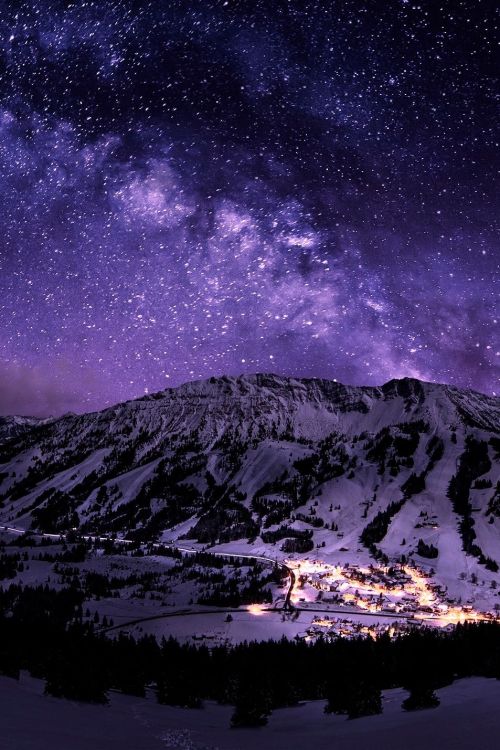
292,465
13,426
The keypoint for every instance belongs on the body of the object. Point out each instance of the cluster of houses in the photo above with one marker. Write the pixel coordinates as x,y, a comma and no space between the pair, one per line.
333,627
396,590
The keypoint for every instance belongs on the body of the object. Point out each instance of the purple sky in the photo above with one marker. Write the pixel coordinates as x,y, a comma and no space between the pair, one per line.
200,188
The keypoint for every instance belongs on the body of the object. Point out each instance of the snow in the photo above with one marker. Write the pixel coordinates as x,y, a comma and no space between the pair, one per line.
260,412
468,717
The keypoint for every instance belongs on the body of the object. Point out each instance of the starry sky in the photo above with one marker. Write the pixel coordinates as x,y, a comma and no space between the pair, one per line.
204,187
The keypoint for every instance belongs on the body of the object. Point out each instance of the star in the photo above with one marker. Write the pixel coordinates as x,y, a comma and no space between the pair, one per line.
198,189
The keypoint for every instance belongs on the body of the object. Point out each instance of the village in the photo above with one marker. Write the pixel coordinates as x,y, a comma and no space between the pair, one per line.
375,599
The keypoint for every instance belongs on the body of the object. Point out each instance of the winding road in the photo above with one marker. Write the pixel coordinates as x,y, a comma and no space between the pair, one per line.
287,605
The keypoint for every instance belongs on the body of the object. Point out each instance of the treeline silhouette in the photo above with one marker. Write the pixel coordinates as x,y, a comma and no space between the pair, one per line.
44,631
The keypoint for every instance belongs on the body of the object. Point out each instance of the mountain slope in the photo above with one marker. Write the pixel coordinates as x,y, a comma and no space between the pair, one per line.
290,464
11,427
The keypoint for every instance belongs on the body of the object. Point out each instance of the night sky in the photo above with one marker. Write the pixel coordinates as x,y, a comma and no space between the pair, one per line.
218,187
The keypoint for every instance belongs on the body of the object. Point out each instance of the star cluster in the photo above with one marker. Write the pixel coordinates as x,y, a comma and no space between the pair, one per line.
200,187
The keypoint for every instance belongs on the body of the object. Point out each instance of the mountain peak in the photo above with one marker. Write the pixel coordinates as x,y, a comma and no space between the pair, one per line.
265,457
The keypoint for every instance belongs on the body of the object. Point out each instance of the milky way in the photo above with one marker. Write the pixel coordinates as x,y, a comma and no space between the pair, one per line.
198,188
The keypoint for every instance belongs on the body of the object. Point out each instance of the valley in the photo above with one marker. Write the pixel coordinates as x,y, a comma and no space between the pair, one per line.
311,509
159,590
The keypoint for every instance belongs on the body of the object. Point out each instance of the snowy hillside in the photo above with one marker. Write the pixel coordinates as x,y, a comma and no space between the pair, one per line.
467,717
292,466
11,427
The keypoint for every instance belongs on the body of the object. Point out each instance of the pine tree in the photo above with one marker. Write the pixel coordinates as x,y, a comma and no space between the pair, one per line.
421,696
253,705
364,699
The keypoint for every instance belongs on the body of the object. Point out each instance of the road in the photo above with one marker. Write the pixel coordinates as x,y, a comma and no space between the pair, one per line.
287,603
243,610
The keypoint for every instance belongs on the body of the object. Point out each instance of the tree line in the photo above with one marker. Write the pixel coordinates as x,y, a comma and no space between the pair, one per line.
44,631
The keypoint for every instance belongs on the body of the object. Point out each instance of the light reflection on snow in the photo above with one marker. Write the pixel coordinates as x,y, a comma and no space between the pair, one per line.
402,592
256,609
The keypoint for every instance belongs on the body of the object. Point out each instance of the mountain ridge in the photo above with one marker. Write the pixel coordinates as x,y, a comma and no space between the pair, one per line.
198,384
287,465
